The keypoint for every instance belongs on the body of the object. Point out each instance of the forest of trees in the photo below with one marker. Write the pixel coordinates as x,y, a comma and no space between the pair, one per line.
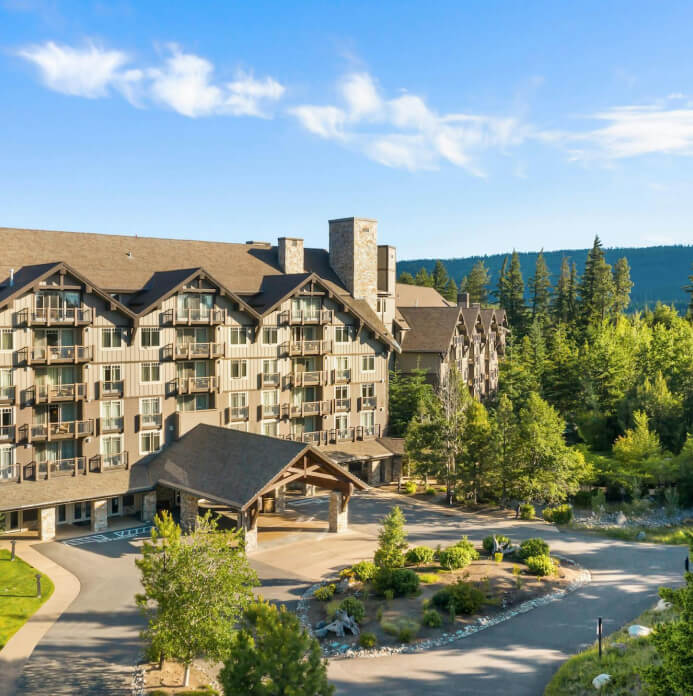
587,393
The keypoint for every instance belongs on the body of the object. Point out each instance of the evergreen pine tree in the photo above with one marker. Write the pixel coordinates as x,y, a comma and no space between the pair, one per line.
597,287
450,293
560,307
423,278
501,291
573,286
476,283
515,302
622,286
406,278
689,289
540,285
440,277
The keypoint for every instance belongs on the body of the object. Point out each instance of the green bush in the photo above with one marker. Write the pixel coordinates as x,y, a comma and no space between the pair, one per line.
561,514
407,633
419,555
533,547
331,608
498,557
541,565
467,545
429,578
389,595
400,581
454,557
410,488
363,571
487,543
527,512
430,491
368,640
354,607
583,499
325,593
463,597
432,619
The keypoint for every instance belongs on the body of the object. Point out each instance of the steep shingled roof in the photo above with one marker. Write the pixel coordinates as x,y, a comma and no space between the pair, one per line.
431,329
418,296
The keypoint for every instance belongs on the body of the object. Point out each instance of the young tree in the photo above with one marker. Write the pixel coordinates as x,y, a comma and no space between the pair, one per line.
515,307
475,451
501,291
503,447
534,352
476,283
597,287
440,277
573,288
423,442
392,541
273,655
406,394
450,292
689,289
622,286
195,590
423,278
406,278
562,374
560,307
540,287
638,446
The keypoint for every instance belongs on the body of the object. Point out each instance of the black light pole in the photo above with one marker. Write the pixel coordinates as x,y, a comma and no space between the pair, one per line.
686,564
599,633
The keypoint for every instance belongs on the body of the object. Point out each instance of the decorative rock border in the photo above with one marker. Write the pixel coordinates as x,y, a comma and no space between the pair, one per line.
343,651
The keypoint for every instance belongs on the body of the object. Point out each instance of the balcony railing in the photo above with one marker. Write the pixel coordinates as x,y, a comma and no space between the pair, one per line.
10,473
108,462
54,316
341,405
7,395
7,433
342,434
188,317
193,351
367,432
368,402
270,410
55,354
307,408
316,437
309,379
307,347
57,431
50,393
112,389
270,379
342,376
112,424
197,385
150,421
322,316
238,413
59,467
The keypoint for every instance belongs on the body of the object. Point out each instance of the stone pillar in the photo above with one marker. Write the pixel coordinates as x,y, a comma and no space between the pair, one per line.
47,523
308,490
248,523
148,506
372,472
338,517
189,505
387,463
280,500
99,515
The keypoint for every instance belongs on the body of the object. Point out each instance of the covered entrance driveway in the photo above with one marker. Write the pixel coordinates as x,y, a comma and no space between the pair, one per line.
238,470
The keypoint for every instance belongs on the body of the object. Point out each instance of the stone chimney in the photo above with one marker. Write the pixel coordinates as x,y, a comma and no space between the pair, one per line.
291,255
354,256
463,299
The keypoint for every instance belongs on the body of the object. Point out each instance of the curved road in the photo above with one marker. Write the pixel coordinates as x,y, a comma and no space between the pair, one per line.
93,646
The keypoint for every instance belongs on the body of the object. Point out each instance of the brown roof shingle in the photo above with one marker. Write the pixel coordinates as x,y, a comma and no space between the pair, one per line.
431,328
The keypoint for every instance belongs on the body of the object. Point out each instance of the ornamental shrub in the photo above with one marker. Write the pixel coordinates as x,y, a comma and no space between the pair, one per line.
392,540
354,608
561,514
325,593
399,581
498,557
367,640
363,571
463,597
419,555
430,491
454,557
487,543
467,545
541,565
432,619
533,547
527,512
583,499
410,488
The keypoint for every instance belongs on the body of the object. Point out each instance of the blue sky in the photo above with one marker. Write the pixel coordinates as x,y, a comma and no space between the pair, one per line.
463,127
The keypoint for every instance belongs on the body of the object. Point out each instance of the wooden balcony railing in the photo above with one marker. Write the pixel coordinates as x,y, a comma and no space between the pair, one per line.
197,385
190,317
238,413
341,376
108,462
197,351
7,394
112,389
341,405
10,473
112,424
342,434
307,408
50,393
7,433
309,379
270,379
295,348
150,421
63,430
367,432
322,316
368,402
50,316
270,410
58,467
50,355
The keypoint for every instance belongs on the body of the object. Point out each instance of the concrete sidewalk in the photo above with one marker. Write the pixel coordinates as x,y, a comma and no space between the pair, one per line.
19,647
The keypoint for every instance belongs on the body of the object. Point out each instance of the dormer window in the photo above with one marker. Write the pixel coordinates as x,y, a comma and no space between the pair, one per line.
195,306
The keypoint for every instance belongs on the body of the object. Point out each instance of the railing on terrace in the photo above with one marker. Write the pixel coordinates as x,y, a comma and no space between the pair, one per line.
108,462
150,421
55,354
50,316
112,424
195,385
192,351
322,316
203,315
57,431
342,376
49,393
112,389
7,394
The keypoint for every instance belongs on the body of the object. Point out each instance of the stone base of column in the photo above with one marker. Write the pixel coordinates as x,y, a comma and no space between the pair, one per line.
372,472
47,524
308,490
250,534
280,500
189,506
148,506
338,518
99,515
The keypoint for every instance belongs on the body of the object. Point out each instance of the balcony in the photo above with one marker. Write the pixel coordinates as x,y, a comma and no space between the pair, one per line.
324,316
367,432
195,317
197,385
49,316
195,351
368,402
112,389
108,462
308,379
342,405
54,393
238,413
299,348
7,433
342,435
63,430
56,467
55,355
150,421
10,474
7,395
270,410
111,424
341,376
270,379
316,437
307,408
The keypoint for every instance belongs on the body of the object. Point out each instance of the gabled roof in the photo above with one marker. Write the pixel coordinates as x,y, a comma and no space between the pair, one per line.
275,289
487,316
470,315
418,296
431,329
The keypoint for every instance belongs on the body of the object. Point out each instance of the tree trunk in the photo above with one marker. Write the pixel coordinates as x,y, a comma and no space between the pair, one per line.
161,662
186,675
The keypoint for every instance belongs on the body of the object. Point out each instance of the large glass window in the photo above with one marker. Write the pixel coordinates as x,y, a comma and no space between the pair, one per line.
6,339
111,373
111,337
151,338
6,463
368,363
342,334
150,442
269,335
269,428
239,336
195,305
239,369
151,372
112,450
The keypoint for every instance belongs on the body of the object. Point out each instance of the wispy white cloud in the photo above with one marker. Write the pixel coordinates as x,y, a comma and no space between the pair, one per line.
184,82
325,121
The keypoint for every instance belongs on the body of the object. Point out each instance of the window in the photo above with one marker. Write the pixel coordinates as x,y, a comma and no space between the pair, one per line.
342,334
368,389
150,442
368,363
241,425
239,369
341,424
269,335
341,393
112,450
111,373
269,367
193,402
150,412
6,463
381,305
368,421
239,336
111,337
5,418
151,338
62,513
239,399
128,501
151,372
115,506
6,339
269,428
270,403
111,415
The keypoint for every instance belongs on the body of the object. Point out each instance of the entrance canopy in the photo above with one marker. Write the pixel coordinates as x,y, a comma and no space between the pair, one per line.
236,468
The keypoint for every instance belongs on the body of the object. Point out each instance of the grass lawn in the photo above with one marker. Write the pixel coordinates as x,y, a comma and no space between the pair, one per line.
18,599
657,535
574,678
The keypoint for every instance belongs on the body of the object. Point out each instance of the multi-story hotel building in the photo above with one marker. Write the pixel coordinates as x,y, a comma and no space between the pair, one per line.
113,347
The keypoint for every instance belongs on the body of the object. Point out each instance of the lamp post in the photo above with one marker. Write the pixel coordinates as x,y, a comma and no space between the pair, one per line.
599,634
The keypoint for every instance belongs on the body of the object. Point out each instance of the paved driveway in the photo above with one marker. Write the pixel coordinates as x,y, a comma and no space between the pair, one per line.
92,648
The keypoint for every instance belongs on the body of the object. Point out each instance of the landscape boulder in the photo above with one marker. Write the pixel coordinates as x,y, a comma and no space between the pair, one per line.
638,631
600,680
662,605
621,519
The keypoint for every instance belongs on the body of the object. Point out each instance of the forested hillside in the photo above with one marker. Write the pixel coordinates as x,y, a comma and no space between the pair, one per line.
658,273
